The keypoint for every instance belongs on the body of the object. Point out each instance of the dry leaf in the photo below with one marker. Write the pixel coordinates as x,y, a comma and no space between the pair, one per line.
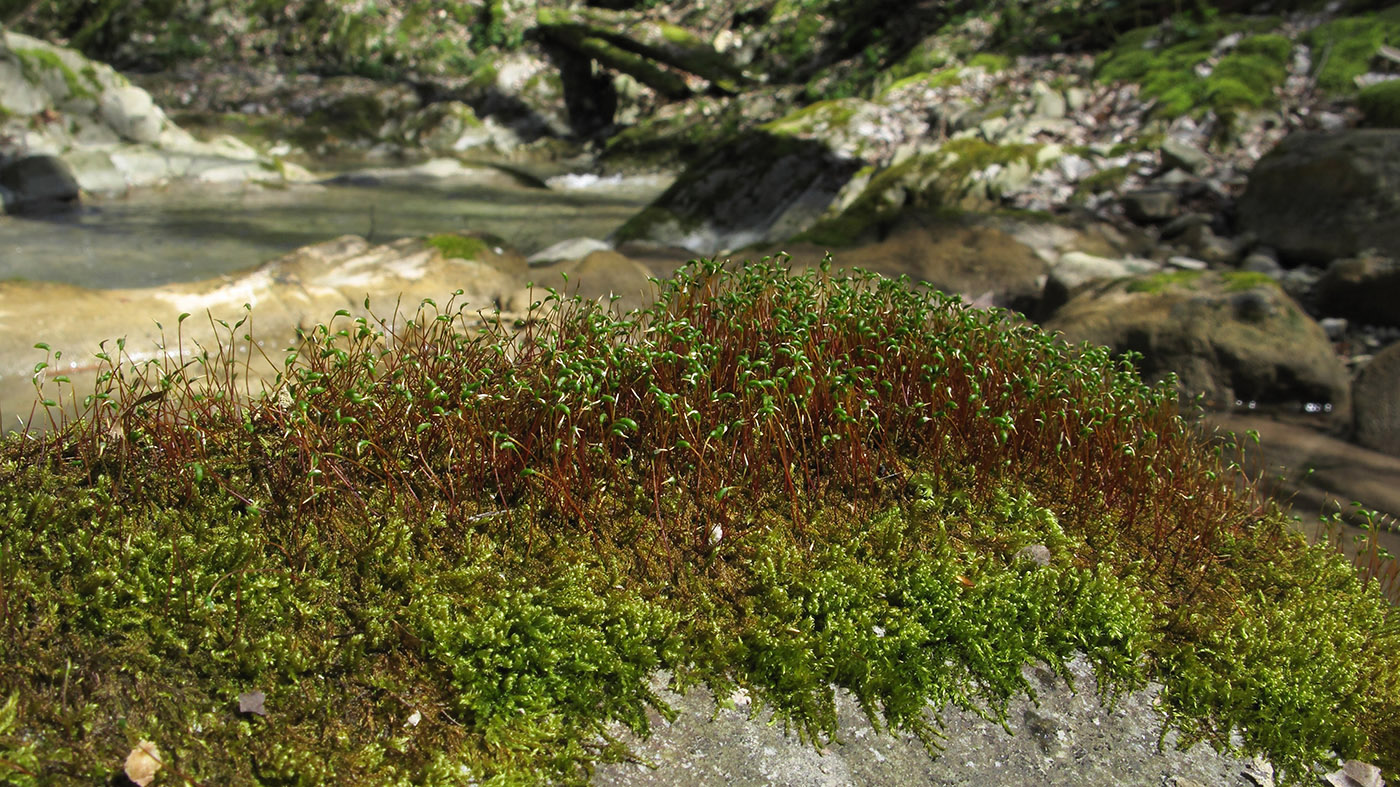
142,763
252,702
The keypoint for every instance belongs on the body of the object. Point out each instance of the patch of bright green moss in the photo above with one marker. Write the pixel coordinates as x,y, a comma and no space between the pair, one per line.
31,60
1161,282
1245,78
1381,104
1343,48
990,61
948,77
1240,281
454,246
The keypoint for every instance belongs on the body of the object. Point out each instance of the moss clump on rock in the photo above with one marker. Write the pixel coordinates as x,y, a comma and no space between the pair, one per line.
1380,103
1344,47
1244,78
453,246
441,554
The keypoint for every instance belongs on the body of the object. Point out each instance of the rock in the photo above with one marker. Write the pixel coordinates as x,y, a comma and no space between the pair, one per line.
1049,103
762,186
1229,336
38,184
1182,263
1262,260
1177,154
1334,327
1074,271
611,278
1355,773
1317,197
571,249
109,133
1065,738
131,113
1035,553
300,288
448,126
1377,402
1150,206
1365,289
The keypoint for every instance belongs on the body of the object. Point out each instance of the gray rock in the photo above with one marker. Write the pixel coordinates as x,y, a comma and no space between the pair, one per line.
1049,103
38,183
1355,773
1184,263
1036,553
1150,206
1317,197
1334,327
1177,154
1377,402
571,249
1365,289
1262,260
1068,737
1228,344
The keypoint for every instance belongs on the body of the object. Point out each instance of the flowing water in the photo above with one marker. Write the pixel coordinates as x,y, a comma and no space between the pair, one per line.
190,232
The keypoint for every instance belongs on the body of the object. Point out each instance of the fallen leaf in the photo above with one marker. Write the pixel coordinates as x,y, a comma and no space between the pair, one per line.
142,763
252,702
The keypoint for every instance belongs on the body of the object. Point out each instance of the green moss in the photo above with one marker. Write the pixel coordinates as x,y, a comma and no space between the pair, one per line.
1161,282
33,60
1243,79
455,246
1381,104
832,113
444,555
948,77
1343,48
1240,281
992,62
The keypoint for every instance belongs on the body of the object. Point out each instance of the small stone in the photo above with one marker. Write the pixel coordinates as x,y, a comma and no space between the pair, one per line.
1183,156
1334,327
1258,261
1036,553
1150,206
1187,263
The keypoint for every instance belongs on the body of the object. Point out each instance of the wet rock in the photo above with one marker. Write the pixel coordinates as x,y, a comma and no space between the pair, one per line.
1318,197
1377,402
1365,289
1150,206
37,184
1230,336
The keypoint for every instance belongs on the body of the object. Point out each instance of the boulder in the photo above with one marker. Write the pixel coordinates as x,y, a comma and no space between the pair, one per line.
1320,196
1075,270
37,184
1150,206
761,186
1376,395
1234,337
604,275
1364,289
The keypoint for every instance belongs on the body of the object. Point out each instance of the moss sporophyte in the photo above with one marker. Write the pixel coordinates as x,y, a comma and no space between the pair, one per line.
765,480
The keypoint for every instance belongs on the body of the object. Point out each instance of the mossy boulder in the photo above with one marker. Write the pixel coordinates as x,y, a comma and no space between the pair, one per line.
1350,43
1228,336
766,184
1380,104
1317,196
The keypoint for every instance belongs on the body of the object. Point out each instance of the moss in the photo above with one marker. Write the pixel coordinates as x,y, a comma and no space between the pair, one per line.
991,62
1241,281
455,246
1381,104
948,77
831,113
1161,282
1245,78
33,60
1343,48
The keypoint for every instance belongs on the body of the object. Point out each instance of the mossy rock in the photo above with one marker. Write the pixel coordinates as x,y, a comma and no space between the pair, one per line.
1245,78
1343,48
1380,103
